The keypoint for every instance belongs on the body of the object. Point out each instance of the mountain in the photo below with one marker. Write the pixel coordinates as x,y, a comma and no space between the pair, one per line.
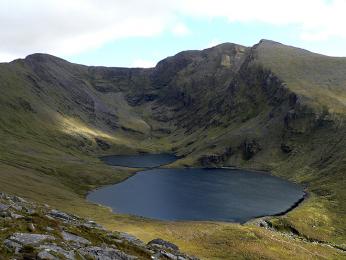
270,107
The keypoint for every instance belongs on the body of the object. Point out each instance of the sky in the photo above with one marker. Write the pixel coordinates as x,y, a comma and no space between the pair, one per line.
139,33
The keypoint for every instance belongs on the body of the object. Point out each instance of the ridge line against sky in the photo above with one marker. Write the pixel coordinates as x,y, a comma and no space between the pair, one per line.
139,33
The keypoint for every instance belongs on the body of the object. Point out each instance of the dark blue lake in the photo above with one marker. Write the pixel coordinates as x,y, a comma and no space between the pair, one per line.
200,194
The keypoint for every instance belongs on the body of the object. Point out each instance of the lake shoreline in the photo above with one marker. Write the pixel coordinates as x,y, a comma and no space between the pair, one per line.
143,169
283,213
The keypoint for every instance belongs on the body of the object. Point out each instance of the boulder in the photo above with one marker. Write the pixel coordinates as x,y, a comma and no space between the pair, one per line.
30,239
160,243
17,207
16,216
3,207
18,199
74,238
58,250
106,253
92,224
130,238
45,255
13,246
61,215
170,256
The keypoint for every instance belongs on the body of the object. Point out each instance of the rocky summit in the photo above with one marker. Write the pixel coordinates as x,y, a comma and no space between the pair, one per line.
33,231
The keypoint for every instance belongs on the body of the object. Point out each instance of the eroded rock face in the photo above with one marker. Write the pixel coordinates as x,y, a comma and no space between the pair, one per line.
250,148
3,207
74,238
105,253
61,215
167,250
130,238
48,234
215,159
68,254
102,144
30,239
45,255
160,243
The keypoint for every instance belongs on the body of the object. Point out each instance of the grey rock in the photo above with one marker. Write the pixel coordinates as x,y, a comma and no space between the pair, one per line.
49,229
16,216
263,223
30,239
160,243
92,224
74,246
18,199
3,207
5,214
61,215
3,195
70,255
169,255
130,238
17,207
30,211
49,217
13,246
74,238
107,253
156,256
45,255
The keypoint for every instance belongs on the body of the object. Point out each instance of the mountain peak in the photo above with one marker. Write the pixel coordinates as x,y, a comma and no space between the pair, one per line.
42,57
268,42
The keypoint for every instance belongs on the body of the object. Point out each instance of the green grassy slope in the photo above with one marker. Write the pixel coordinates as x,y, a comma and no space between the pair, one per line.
319,79
271,107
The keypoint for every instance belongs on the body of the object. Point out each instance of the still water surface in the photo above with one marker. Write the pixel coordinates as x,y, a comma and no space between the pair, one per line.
196,193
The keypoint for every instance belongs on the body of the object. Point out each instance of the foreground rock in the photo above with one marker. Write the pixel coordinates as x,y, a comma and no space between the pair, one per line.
32,231
105,253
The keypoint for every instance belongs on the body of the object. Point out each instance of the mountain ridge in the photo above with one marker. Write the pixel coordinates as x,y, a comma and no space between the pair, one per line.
270,107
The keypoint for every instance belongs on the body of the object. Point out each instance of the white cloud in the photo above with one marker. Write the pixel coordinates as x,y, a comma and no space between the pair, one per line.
139,63
180,29
64,27
317,19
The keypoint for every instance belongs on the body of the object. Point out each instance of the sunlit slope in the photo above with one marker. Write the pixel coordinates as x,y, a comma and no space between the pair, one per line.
43,96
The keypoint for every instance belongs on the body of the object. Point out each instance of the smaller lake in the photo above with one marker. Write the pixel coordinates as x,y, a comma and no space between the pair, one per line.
200,194
140,160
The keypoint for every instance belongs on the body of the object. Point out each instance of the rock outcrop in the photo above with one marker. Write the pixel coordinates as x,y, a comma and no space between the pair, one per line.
49,234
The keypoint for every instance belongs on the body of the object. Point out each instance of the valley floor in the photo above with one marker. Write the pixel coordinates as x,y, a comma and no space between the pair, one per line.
207,240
